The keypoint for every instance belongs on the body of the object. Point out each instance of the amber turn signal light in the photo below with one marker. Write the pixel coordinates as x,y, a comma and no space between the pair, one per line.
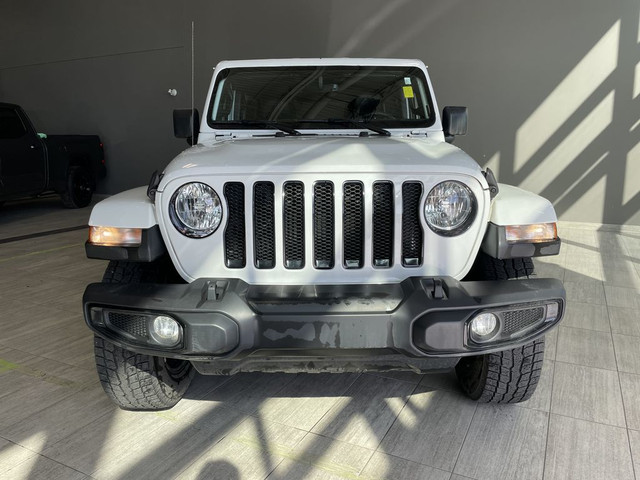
536,233
115,237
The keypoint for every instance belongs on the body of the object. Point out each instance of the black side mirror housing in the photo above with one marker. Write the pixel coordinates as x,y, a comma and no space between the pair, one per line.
186,124
454,122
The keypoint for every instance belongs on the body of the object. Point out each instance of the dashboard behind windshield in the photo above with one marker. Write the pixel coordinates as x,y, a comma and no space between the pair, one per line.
321,97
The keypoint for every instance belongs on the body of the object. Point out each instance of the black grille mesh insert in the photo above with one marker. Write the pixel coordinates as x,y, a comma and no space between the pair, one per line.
353,225
323,229
521,319
383,220
411,228
264,224
234,234
293,220
129,323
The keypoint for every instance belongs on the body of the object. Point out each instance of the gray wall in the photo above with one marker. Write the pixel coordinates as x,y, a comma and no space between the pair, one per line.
553,87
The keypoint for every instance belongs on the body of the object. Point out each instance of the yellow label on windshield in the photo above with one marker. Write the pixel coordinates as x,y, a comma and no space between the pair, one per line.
408,91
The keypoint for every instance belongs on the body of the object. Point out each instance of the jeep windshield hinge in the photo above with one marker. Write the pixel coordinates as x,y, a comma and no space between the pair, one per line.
493,183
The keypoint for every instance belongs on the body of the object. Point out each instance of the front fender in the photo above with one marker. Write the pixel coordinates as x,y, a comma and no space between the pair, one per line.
129,209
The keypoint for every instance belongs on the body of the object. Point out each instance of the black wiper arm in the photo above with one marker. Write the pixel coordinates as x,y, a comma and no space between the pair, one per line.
360,124
276,125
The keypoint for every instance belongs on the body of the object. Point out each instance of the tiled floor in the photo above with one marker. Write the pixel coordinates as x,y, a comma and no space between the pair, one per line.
55,421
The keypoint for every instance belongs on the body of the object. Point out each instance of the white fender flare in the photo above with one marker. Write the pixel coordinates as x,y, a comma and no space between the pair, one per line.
514,206
129,209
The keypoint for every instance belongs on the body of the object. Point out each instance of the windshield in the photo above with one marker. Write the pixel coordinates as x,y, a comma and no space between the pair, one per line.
321,97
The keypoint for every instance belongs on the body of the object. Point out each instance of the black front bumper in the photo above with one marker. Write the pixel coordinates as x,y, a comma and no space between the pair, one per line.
227,320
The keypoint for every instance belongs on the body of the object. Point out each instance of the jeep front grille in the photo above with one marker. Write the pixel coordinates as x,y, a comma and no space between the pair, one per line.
356,210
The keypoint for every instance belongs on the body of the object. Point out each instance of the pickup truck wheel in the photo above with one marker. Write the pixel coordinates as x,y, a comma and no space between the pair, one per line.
79,188
132,380
510,376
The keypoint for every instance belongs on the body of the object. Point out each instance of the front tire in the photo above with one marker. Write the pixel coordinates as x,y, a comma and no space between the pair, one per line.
135,381
510,376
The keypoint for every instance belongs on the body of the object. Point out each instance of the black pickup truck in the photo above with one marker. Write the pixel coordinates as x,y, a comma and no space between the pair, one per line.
33,163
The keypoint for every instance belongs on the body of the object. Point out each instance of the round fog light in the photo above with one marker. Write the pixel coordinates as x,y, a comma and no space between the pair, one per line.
484,324
166,330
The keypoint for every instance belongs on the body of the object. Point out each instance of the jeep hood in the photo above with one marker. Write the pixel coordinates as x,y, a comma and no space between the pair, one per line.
321,155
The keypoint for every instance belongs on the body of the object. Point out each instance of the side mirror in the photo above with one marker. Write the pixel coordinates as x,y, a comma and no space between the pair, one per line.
186,124
454,122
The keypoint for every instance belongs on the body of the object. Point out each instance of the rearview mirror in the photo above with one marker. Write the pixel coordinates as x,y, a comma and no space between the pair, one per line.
454,122
186,124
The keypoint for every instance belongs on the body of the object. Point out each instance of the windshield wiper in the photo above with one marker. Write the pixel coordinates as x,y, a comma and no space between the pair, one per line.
353,123
276,125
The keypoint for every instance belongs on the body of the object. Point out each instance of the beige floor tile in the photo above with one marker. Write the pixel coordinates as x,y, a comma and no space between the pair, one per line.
38,467
318,457
622,297
634,439
587,393
620,273
12,455
585,450
442,381
586,315
304,401
627,353
504,442
431,428
585,291
252,450
61,419
410,377
366,411
545,269
247,391
583,267
387,467
630,385
550,344
624,321
585,347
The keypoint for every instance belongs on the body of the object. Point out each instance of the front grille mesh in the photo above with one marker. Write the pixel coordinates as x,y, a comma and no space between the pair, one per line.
383,220
234,234
264,240
293,219
323,220
521,319
286,207
353,225
411,227
129,323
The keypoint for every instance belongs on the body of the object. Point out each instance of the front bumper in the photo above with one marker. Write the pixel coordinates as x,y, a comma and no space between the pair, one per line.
227,320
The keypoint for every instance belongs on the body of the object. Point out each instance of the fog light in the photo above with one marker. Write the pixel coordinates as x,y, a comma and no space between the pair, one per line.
552,312
484,325
166,330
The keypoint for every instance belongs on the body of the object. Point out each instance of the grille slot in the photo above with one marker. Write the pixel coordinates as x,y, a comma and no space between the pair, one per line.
293,222
323,225
521,319
383,224
235,255
353,225
411,228
264,224
132,324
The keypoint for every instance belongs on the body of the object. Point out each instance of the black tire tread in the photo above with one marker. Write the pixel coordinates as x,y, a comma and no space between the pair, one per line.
489,268
131,380
510,376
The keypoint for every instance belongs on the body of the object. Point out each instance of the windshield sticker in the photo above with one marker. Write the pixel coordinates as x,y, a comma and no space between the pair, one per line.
408,92
407,80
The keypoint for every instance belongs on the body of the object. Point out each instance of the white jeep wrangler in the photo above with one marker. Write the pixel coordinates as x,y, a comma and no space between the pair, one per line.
321,222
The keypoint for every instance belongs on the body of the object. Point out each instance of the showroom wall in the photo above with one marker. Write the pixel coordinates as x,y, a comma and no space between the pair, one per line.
553,88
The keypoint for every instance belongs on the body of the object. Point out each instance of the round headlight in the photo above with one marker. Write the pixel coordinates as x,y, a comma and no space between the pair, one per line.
450,208
196,210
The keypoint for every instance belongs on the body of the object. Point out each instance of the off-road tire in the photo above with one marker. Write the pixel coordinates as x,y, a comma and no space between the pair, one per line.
132,380
79,188
489,268
510,376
